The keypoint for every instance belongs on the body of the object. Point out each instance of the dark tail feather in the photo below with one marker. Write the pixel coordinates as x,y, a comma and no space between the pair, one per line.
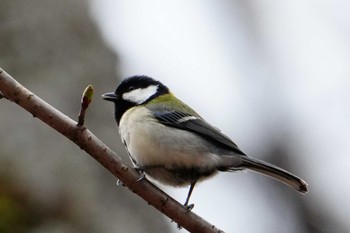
275,172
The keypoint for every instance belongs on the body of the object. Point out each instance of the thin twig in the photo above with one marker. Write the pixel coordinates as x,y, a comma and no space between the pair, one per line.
87,141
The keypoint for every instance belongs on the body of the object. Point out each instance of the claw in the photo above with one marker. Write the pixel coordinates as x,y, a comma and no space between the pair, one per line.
119,182
179,226
141,177
141,172
189,207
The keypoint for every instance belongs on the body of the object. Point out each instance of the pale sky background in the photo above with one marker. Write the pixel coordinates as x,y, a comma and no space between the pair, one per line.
251,68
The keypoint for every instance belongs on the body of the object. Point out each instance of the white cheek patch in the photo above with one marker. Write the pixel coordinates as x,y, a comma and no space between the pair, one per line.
140,95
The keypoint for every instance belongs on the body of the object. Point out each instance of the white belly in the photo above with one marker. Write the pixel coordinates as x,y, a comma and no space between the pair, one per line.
153,144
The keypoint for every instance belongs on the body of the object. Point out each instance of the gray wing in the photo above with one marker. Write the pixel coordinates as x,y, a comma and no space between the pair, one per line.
198,126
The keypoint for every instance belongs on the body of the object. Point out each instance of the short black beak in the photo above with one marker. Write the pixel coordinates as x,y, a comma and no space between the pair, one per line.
110,96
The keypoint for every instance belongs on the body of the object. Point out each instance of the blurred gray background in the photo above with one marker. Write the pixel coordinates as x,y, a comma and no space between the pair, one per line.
274,76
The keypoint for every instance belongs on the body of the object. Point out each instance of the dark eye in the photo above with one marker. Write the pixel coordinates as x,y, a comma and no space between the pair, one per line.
131,88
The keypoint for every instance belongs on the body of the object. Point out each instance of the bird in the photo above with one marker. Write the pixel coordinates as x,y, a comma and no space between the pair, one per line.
172,144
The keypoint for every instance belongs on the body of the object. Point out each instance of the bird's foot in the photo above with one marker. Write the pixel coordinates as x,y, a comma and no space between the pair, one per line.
142,174
119,182
189,207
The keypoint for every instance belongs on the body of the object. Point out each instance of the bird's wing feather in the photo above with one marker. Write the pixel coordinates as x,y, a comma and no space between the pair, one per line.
198,126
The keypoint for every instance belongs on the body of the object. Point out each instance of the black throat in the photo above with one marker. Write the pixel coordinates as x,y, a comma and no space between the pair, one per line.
120,108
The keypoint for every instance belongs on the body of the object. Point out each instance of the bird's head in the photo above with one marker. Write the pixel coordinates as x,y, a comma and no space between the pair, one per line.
134,91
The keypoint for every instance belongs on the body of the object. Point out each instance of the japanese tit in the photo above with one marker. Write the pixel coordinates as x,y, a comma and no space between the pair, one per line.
171,143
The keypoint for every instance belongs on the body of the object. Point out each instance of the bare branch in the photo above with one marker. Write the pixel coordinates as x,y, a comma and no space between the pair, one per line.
87,141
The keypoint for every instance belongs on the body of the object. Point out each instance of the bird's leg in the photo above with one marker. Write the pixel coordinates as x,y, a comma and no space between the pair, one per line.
190,207
187,206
